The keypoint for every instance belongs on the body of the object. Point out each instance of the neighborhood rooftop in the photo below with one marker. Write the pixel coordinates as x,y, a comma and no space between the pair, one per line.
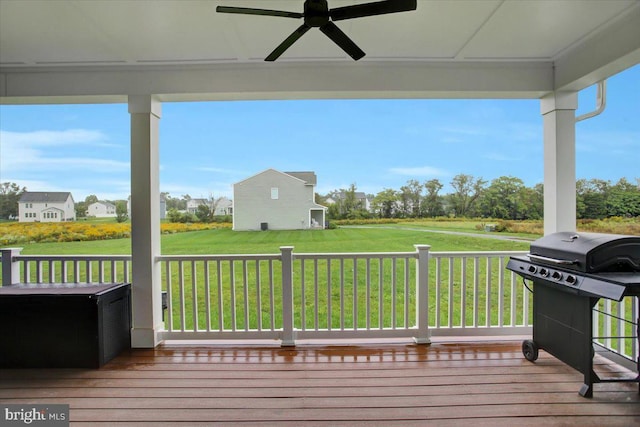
45,196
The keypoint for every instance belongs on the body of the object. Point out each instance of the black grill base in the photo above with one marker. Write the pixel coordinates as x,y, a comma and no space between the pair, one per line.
563,327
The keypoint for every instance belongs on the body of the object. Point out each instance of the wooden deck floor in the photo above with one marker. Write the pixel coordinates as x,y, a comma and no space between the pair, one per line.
479,384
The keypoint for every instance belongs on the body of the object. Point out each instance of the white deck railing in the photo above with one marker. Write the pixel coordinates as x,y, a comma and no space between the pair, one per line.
290,296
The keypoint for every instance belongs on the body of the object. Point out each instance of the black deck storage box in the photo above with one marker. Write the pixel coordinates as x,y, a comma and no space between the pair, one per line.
63,325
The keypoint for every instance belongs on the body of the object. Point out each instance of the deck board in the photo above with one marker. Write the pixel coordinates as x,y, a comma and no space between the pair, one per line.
485,383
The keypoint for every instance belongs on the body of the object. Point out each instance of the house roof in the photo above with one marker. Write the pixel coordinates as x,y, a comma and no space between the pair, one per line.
44,197
308,177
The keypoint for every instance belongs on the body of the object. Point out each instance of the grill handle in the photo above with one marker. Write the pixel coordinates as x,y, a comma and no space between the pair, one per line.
551,260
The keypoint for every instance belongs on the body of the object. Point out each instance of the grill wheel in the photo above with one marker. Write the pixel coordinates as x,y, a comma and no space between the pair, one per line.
530,350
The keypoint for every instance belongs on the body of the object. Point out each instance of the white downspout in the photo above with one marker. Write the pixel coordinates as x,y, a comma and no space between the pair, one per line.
601,102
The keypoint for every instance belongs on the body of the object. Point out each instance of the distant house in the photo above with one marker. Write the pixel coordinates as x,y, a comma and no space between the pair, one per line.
361,199
223,205
278,201
101,209
40,206
192,204
163,207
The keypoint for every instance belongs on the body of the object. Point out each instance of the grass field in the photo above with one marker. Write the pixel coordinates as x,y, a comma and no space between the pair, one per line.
223,241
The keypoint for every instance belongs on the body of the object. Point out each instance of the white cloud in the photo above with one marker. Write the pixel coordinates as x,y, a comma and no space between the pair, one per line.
41,150
52,138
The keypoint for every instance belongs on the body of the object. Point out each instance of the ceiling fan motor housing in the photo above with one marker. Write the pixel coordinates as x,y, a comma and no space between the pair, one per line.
316,13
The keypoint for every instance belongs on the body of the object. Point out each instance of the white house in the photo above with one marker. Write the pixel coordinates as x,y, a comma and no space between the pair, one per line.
42,206
223,205
102,209
360,197
278,201
192,205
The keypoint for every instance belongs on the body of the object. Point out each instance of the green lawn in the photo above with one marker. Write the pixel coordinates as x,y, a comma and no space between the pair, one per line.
245,242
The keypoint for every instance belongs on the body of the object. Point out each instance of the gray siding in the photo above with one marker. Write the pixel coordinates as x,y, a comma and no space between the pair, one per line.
253,204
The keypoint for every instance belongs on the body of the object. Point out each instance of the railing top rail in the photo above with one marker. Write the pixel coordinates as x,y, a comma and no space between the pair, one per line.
460,254
72,258
219,257
309,255
351,255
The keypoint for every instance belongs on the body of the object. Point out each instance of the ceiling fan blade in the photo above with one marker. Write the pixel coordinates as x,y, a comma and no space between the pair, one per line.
286,44
263,12
371,9
341,39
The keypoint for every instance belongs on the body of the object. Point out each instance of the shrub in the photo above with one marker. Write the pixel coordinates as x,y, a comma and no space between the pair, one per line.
40,232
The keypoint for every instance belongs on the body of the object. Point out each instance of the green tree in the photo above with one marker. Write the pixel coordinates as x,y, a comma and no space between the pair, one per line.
432,204
92,198
347,205
204,213
591,198
504,198
534,202
179,204
410,198
121,211
81,209
467,189
385,202
624,199
10,194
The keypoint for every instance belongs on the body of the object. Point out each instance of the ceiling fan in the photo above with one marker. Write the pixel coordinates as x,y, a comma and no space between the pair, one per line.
317,14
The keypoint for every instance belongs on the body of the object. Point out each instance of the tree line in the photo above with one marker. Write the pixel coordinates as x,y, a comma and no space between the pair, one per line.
506,197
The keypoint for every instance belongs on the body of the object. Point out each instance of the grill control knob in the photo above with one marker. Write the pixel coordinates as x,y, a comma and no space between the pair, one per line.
556,275
571,280
532,269
543,272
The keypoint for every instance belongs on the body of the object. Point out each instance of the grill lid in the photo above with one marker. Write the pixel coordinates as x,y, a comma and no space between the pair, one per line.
588,252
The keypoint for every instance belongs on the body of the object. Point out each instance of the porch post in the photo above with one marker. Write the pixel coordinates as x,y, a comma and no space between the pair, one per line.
145,221
423,336
10,268
558,113
288,335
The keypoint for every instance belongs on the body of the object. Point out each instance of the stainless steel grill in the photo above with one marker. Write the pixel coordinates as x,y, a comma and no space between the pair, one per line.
570,273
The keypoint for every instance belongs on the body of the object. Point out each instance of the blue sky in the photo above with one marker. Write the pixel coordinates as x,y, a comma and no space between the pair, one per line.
375,144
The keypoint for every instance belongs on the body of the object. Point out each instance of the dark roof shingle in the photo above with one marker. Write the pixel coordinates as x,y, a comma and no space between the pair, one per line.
45,196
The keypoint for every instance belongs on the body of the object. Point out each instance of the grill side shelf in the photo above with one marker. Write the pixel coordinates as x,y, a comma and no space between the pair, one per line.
548,260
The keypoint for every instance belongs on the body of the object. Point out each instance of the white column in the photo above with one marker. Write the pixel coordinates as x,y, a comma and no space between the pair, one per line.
558,113
423,335
288,338
145,221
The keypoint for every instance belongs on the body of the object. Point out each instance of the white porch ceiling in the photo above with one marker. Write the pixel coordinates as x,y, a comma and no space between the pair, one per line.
102,51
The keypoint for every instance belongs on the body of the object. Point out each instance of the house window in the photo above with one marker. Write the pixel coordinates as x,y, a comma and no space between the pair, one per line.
274,193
